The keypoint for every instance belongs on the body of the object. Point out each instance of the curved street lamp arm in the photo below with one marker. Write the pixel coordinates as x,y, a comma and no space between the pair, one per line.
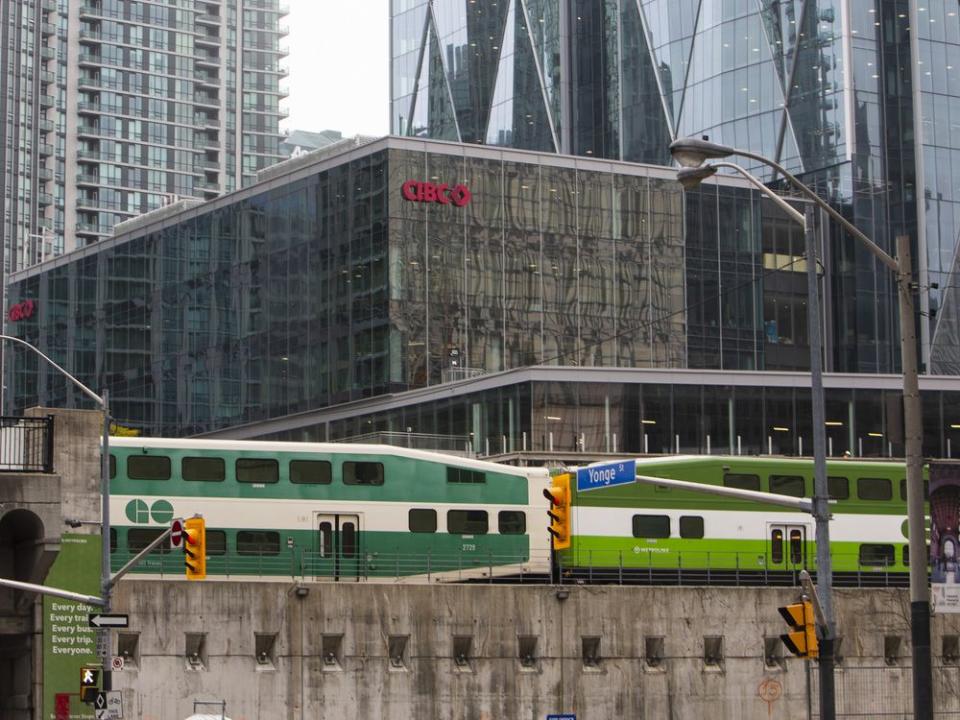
756,182
99,400
881,254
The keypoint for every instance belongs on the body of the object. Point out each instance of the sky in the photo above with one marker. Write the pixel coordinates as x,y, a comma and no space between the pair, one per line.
339,66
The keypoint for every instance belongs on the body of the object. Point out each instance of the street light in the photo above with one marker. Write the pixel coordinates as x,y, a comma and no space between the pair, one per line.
103,402
693,153
690,177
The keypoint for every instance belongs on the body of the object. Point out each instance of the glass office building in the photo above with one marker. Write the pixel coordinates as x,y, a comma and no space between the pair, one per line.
860,99
361,271
510,299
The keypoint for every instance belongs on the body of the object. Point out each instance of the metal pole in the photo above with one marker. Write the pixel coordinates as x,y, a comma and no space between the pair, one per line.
913,442
105,584
821,508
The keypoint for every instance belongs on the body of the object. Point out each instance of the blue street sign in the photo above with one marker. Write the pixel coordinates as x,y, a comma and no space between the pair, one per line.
600,476
568,716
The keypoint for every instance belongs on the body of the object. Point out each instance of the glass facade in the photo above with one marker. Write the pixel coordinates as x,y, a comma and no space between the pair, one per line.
334,285
640,318
844,94
652,415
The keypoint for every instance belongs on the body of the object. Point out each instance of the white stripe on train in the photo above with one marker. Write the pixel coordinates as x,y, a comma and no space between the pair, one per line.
739,524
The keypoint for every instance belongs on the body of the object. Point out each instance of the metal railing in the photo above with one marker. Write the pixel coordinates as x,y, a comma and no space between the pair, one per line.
591,567
26,444
453,444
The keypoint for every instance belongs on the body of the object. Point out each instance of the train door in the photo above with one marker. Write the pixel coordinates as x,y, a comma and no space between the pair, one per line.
786,546
338,546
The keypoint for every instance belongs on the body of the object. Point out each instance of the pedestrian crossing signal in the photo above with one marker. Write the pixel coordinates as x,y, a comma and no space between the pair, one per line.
89,684
802,641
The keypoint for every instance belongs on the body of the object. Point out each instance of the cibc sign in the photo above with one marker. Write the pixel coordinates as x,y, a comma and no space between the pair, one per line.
427,192
22,311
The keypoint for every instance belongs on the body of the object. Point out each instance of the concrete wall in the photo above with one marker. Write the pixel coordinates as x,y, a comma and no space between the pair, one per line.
33,508
76,460
296,682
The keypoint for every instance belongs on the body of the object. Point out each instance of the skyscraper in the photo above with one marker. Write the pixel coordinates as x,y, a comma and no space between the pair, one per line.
859,99
112,108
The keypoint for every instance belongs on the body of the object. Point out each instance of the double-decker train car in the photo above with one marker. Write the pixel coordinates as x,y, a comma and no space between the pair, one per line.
355,512
327,511
647,532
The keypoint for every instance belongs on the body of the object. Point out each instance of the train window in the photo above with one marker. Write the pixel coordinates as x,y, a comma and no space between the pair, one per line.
310,472
257,470
462,475
876,554
511,522
258,542
148,467
874,489
139,538
796,547
216,542
903,489
113,540
691,526
651,526
787,485
838,488
743,482
113,466
348,539
203,469
326,538
467,522
362,473
776,546
422,520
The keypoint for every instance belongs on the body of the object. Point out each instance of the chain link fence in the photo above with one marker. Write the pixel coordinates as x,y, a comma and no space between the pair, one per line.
886,691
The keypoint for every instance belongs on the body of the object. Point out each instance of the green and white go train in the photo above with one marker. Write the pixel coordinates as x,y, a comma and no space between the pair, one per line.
362,512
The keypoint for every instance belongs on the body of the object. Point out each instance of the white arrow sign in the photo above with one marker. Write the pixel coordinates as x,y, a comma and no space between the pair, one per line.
101,621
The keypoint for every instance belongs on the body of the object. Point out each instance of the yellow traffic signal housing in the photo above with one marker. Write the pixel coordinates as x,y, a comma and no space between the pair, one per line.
559,496
802,641
195,548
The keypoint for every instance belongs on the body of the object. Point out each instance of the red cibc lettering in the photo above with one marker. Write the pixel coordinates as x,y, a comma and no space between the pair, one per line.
21,311
419,191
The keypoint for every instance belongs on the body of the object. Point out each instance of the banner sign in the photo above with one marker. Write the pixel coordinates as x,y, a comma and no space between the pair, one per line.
944,537
69,643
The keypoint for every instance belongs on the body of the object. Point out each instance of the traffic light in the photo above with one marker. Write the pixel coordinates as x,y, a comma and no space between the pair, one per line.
559,496
802,641
89,683
195,548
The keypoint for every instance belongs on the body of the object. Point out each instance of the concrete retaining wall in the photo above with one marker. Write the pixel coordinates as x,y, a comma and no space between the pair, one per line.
354,624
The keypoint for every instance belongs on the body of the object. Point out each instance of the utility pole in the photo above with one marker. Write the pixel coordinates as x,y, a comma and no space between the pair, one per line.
821,495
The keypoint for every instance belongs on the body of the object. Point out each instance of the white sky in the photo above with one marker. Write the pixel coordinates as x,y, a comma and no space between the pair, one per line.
339,66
